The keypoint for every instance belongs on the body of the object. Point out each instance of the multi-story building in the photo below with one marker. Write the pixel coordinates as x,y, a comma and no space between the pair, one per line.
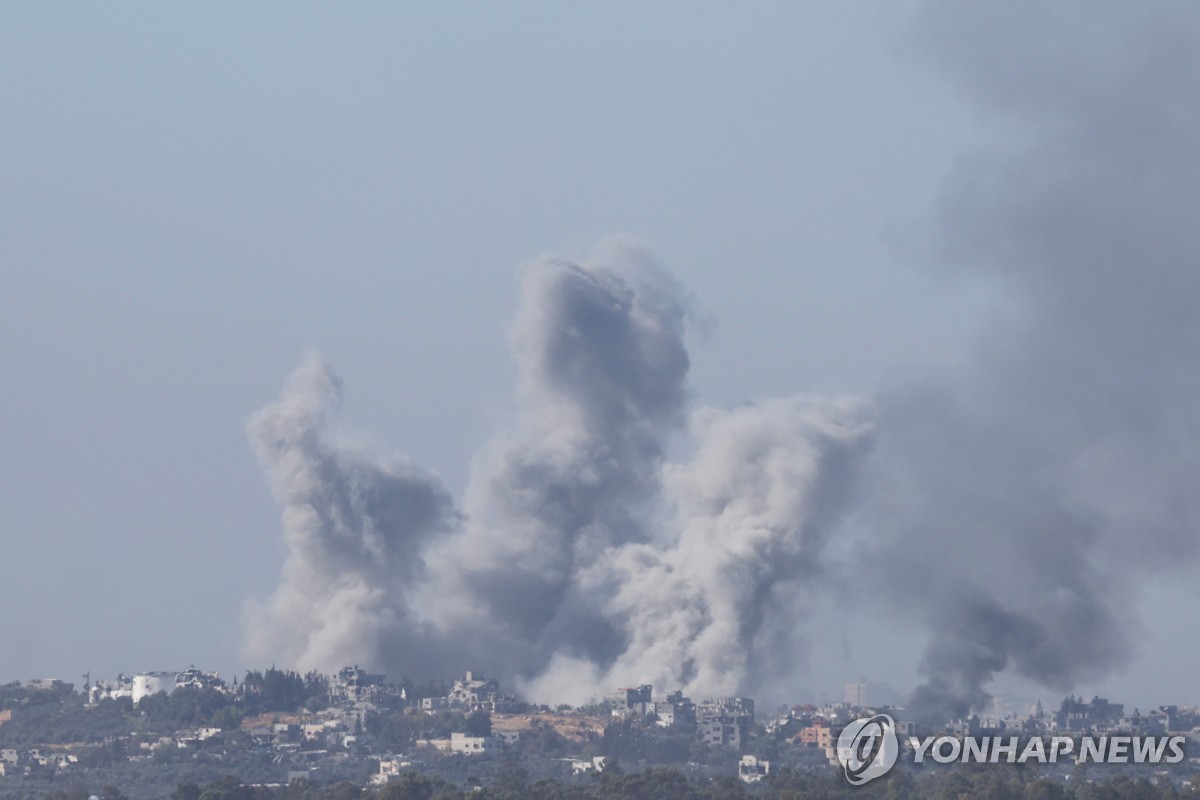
819,734
353,685
856,694
474,692
1077,715
725,722
673,711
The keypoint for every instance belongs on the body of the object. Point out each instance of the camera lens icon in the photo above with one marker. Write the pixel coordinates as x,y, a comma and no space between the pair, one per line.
867,748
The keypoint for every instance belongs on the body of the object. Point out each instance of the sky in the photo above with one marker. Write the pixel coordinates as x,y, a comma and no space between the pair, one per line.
192,198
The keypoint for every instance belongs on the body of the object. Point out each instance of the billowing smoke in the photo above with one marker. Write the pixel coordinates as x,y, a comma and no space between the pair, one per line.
354,528
1029,495
716,609
583,558
602,365
1012,506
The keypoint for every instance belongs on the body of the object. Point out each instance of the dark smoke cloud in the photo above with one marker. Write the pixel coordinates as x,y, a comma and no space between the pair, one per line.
1033,490
1012,507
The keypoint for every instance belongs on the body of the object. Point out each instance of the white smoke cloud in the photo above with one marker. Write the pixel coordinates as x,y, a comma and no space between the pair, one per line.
718,609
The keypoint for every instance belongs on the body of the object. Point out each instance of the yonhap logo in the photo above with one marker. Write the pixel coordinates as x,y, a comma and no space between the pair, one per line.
867,748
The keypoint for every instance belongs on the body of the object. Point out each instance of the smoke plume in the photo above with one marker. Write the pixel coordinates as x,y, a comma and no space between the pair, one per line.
1033,492
1013,505
602,370
582,558
354,528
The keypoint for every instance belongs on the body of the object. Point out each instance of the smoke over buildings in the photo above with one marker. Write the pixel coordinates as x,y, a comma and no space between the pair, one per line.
1033,492
1012,507
581,556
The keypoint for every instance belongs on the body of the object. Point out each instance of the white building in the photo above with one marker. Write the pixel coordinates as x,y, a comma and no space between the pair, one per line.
110,690
460,743
469,745
148,683
390,769
752,770
581,767
474,691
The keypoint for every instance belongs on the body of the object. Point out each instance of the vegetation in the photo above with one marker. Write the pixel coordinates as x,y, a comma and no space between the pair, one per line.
277,690
512,782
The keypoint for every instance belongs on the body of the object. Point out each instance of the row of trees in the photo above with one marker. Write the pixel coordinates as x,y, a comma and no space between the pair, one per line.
279,690
513,783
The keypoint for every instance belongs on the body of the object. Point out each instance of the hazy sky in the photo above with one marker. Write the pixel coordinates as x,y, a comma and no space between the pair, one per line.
193,197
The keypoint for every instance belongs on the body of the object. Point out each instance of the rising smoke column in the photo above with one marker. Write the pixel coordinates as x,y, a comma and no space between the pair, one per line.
602,364
355,528
370,576
1026,495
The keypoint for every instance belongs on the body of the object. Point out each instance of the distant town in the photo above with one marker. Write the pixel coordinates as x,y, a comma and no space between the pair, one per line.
159,733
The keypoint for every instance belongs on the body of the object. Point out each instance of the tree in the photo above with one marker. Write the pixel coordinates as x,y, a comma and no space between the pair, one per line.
186,791
512,781
479,723
228,718
227,788
410,786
